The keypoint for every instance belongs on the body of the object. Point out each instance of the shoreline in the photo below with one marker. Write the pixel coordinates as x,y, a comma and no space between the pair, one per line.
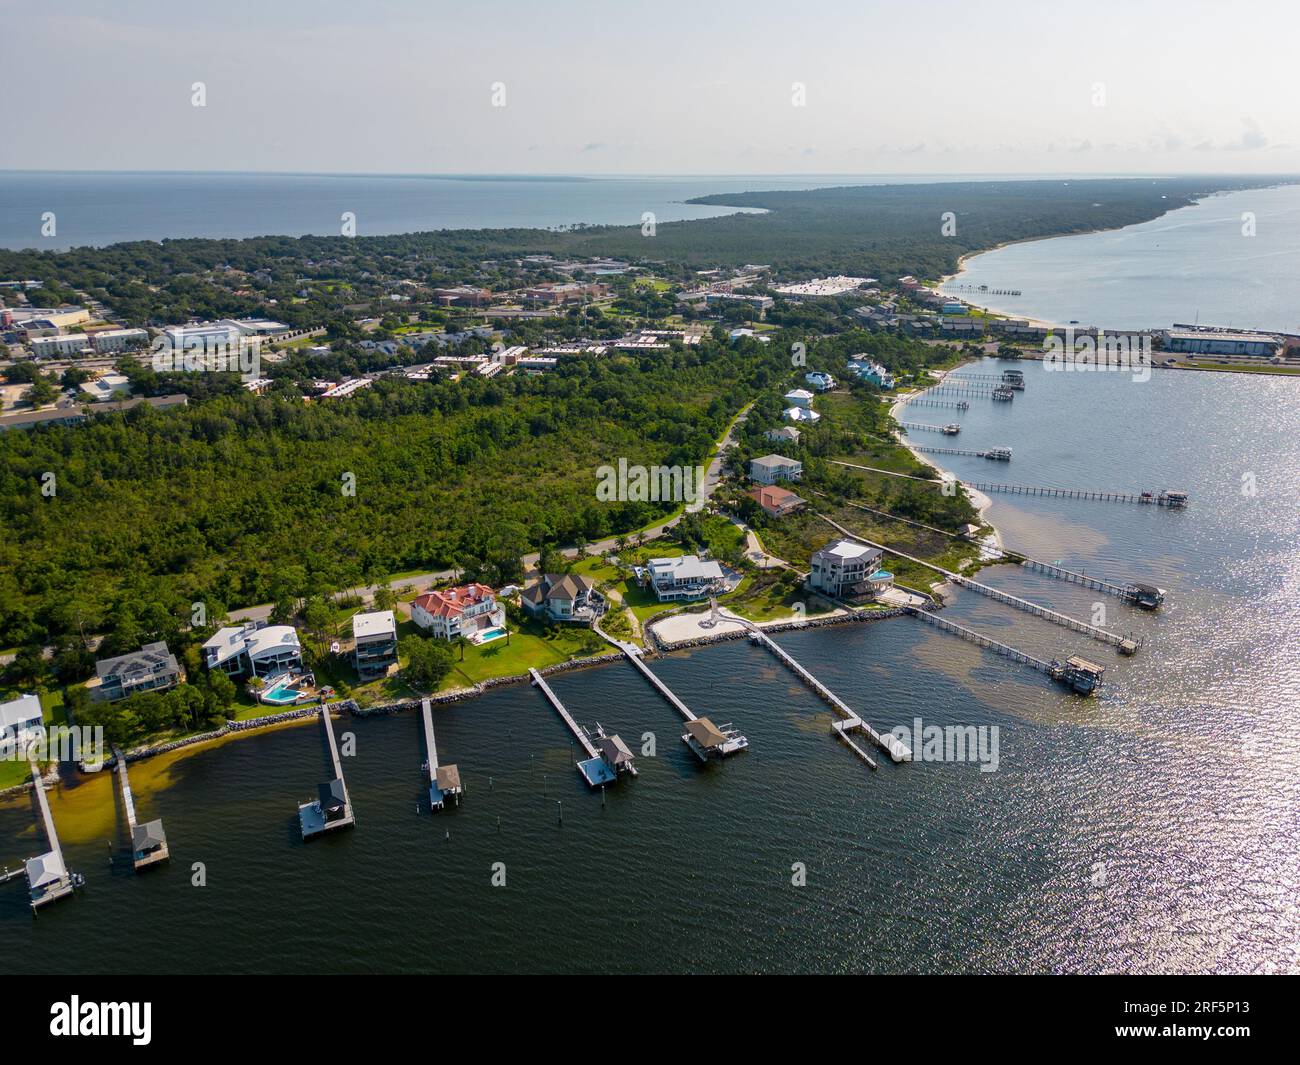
1046,323
981,501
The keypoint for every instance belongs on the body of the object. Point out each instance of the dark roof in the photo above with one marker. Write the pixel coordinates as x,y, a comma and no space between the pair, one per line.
148,659
332,794
147,837
448,777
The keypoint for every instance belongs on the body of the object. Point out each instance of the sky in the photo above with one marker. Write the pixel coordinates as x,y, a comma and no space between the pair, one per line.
622,87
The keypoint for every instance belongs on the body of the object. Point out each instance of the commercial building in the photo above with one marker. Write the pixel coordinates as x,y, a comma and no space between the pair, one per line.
1221,342
67,344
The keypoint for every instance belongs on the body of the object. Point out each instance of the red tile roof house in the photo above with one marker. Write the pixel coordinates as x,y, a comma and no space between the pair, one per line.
777,502
461,611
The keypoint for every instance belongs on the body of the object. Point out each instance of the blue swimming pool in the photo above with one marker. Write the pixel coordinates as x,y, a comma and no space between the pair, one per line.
488,635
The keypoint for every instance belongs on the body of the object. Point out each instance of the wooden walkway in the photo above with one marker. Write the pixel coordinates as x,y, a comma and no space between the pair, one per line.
334,755
987,453
578,731
426,709
633,655
1124,643
1162,499
996,646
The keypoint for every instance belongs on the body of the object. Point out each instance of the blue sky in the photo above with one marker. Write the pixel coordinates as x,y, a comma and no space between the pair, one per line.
672,87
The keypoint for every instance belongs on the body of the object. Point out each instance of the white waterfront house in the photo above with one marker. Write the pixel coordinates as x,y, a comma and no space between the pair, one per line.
20,721
254,649
464,610
773,468
684,577
845,569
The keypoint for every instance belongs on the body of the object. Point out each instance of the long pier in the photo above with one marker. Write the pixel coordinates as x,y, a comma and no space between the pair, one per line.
987,642
444,780
48,878
148,842
981,391
1130,593
1000,454
1173,500
891,745
578,731
952,429
923,400
333,806
1125,644
632,656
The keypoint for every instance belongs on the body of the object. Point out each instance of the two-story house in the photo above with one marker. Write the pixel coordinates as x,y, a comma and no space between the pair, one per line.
466,610
846,569
374,638
152,668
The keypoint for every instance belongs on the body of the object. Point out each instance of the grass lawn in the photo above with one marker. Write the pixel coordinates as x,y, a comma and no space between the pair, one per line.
530,647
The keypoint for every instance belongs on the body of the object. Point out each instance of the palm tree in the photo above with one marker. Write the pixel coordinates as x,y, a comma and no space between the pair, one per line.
461,642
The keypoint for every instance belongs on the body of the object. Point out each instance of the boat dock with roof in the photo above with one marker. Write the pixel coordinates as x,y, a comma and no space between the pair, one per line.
331,808
444,780
705,739
148,841
607,755
48,878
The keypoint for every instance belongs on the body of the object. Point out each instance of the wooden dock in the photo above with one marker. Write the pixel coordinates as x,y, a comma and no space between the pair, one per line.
444,780
951,429
921,400
48,878
578,731
1125,644
851,722
1000,454
607,755
632,655
1130,593
1173,500
333,806
148,841
1063,672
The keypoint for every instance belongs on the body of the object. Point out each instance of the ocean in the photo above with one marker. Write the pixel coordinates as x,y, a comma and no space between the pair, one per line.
1229,260
1151,829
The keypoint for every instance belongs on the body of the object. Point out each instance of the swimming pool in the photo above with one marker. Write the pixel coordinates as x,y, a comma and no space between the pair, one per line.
281,694
488,635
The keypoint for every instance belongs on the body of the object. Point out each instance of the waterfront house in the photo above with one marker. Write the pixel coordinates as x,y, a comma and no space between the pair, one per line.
152,668
787,434
374,638
846,569
20,722
254,649
820,382
869,370
683,577
563,597
777,502
803,415
466,610
800,397
772,468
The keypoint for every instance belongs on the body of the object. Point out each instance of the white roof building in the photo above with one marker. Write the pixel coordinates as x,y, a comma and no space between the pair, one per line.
256,648
800,414
20,716
799,397
377,623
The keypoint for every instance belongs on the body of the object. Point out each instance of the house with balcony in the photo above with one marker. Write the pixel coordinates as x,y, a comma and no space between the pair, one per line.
772,468
563,597
684,577
800,397
868,370
465,610
374,638
152,668
254,649
819,381
846,569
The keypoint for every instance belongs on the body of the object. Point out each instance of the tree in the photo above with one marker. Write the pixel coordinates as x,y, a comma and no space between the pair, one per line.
427,661
385,598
